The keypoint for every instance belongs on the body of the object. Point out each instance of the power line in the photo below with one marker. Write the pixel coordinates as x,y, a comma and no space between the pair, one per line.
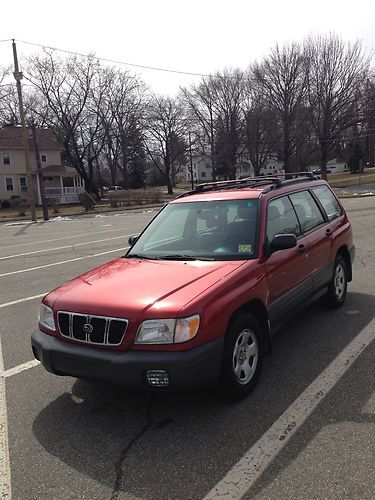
114,61
7,40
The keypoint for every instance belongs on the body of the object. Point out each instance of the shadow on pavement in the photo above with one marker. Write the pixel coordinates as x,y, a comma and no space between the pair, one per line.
179,445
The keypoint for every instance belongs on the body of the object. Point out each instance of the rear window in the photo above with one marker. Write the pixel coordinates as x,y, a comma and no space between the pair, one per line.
329,202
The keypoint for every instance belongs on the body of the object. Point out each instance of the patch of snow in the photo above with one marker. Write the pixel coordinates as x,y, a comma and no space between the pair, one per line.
59,218
100,215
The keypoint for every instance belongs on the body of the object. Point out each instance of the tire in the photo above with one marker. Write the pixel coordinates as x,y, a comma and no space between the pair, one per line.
336,294
242,358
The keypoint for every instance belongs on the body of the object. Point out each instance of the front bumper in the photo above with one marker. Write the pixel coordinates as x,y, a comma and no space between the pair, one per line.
196,367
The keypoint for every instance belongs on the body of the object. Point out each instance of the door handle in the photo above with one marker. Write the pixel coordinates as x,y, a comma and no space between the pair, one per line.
329,232
301,248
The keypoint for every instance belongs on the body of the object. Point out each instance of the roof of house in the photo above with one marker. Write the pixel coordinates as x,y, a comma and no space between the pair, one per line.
11,138
59,170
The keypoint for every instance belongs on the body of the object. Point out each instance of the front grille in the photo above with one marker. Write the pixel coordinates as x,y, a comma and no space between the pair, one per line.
96,330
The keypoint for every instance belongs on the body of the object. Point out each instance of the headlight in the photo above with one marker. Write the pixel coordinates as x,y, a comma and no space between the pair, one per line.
46,317
167,331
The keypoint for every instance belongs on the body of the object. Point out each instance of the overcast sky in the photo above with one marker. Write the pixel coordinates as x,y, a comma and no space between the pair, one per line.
198,36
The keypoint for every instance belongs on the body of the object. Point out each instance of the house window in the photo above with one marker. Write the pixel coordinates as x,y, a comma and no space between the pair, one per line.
43,158
203,174
23,184
9,184
6,158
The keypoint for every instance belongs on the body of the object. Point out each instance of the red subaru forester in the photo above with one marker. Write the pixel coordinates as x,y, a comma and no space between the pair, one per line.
200,292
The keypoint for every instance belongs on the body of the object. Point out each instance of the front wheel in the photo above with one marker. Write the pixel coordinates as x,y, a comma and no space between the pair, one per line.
242,358
336,294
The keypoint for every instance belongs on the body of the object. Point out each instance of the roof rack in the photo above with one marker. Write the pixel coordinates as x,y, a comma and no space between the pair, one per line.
270,182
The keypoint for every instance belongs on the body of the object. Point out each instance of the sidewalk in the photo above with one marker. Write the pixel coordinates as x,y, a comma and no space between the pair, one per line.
355,191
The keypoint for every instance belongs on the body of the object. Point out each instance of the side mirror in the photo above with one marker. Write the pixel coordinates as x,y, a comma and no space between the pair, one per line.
283,241
132,239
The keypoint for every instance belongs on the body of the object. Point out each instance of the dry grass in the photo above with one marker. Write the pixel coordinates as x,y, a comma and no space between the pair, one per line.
345,179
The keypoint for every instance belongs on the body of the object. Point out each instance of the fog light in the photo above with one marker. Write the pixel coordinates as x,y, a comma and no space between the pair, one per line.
157,378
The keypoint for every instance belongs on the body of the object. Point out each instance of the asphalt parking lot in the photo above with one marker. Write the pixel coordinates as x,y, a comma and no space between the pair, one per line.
307,431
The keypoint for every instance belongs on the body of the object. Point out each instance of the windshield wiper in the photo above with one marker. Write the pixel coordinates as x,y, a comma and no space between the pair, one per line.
138,256
183,257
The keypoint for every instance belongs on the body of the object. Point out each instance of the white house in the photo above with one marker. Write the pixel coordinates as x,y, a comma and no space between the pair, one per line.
335,165
338,165
202,169
272,166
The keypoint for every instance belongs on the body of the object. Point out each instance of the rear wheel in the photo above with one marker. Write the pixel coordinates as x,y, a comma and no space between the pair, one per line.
336,294
242,357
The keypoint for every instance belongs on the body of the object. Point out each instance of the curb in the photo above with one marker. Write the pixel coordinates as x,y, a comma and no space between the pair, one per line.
89,215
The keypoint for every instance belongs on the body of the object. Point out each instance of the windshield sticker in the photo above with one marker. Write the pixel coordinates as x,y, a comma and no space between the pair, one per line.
250,204
248,248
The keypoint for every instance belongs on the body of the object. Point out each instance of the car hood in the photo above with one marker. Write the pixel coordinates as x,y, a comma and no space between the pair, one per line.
129,287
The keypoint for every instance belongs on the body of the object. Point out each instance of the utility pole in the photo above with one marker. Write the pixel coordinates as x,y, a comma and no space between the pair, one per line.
40,174
191,163
30,188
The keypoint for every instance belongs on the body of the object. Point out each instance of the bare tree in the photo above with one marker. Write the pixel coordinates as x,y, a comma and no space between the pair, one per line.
261,125
8,99
122,114
216,104
166,127
67,87
281,77
229,94
200,101
366,125
334,74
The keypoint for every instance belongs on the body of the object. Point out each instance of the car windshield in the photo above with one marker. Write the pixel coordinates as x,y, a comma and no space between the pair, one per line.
205,230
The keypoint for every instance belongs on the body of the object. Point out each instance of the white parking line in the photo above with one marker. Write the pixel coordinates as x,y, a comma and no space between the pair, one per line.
19,301
247,470
20,368
63,238
61,248
5,488
63,262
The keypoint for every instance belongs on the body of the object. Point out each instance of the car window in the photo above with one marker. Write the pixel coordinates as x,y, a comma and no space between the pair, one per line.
329,202
281,218
307,210
218,230
172,229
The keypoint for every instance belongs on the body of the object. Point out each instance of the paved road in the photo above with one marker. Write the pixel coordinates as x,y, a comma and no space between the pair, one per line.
73,439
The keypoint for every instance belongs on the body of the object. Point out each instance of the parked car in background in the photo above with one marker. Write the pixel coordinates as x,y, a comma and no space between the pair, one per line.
318,171
197,298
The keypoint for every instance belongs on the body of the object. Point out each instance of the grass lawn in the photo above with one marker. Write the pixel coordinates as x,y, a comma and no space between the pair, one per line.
344,179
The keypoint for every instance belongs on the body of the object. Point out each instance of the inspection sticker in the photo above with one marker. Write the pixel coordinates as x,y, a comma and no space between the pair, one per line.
248,248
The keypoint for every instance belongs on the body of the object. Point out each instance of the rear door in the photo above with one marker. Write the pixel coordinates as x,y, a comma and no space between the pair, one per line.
333,230
315,236
288,272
